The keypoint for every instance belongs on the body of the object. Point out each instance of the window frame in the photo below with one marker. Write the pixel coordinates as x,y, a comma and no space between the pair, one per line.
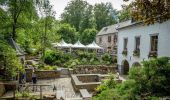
100,40
135,44
125,48
109,38
151,37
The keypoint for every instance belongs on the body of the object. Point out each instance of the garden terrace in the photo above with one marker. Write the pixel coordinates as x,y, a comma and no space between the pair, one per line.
94,69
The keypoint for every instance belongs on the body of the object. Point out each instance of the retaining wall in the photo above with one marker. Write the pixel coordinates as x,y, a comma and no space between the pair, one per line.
94,69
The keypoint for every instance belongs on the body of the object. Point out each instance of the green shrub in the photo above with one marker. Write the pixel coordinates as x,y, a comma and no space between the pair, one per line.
50,57
106,84
106,58
148,82
9,60
72,63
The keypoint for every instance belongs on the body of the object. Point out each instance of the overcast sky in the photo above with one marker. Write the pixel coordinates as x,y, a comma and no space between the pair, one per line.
59,5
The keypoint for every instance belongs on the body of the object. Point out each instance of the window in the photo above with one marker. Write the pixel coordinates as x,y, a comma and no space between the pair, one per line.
109,38
100,40
154,43
115,39
137,43
125,43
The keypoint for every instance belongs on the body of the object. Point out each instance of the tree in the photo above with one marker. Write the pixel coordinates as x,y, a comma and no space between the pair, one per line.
15,9
46,12
67,33
151,11
104,15
74,13
88,20
88,36
9,63
124,14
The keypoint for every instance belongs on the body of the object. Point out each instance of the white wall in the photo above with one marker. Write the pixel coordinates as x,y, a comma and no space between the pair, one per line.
144,32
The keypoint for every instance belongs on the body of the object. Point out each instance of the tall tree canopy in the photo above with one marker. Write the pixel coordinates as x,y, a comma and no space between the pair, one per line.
74,13
17,9
151,11
104,15
67,33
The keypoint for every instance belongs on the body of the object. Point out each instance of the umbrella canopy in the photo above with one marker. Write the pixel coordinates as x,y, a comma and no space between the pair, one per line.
78,45
93,45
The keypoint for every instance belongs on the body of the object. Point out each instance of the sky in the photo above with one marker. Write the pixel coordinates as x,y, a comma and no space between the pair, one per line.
59,5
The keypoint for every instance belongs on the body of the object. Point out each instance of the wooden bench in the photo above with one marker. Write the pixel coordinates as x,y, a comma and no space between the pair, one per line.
85,94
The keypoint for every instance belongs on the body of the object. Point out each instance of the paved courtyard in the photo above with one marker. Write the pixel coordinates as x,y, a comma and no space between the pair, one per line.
61,84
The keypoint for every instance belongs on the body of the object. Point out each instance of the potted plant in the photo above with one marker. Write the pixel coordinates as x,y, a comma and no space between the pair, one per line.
124,52
136,53
152,54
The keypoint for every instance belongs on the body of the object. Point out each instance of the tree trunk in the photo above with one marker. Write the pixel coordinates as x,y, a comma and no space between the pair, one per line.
14,29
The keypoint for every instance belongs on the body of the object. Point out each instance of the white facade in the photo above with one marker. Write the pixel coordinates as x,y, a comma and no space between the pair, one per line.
144,32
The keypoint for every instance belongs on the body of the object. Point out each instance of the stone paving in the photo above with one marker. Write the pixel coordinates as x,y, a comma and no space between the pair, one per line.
63,84
60,84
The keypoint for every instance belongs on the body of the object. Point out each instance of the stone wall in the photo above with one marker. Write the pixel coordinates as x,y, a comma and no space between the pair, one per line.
2,89
94,69
78,84
45,74
87,79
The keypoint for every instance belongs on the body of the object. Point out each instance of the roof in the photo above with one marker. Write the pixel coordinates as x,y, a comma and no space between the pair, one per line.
114,28
126,24
108,30
14,45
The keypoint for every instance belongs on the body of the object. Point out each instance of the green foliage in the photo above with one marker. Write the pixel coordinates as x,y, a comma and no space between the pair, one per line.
124,52
18,9
74,13
88,36
107,58
105,95
149,82
48,67
9,61
56,58
106,84
136,53
67,33
104,15
124,14
68,60
151,11
72,63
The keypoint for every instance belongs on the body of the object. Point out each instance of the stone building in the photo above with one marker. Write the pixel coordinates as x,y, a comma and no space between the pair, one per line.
107,38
